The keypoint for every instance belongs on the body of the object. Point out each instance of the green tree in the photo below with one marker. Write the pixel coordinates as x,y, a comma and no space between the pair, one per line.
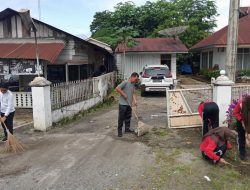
152,17
125,37
101,21
199,15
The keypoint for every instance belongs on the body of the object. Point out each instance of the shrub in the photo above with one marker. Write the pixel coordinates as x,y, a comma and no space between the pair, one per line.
209,73
243,73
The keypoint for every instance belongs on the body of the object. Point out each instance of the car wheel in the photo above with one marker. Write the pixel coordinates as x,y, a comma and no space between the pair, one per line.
171,87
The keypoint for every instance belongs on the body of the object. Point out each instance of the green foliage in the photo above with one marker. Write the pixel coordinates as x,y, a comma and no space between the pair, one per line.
118,80
209,73
148,19
244,73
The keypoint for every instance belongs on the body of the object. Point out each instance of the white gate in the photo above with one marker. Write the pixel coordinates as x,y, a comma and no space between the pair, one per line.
182,105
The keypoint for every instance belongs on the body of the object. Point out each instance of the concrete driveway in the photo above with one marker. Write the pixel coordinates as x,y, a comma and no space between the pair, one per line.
86,154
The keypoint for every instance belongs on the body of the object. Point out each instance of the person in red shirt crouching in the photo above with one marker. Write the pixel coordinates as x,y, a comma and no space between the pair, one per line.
215,144
209,112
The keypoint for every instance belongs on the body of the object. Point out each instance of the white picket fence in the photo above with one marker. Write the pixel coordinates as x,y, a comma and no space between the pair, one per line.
63,94
68,93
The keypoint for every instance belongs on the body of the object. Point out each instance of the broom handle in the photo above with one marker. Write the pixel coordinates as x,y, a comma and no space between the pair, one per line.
136,116
5,127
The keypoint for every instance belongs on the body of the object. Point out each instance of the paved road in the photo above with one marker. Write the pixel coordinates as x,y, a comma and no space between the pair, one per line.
84,155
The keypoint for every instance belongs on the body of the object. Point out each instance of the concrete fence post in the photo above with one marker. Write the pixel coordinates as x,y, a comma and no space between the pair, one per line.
173,65
222,92
42,115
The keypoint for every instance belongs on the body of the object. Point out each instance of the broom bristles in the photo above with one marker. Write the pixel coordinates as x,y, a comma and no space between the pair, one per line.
12,144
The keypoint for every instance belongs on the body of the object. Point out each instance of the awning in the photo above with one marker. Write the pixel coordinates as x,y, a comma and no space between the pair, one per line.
46,51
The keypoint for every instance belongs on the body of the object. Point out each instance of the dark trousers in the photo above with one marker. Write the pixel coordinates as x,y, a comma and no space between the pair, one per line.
124,116
241,138
210,112
8,122
219,151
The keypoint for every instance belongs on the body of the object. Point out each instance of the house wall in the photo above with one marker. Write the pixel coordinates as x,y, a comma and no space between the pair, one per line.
67,53
77,53
13,28
135,62
219,57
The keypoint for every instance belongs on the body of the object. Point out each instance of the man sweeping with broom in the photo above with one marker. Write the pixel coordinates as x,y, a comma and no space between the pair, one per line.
126,90
7,114
7,109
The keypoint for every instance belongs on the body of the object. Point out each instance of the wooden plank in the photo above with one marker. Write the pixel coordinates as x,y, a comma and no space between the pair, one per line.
184,121
177,104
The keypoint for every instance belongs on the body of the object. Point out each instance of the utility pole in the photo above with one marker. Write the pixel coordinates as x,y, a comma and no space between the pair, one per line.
39,9
232,39
30,25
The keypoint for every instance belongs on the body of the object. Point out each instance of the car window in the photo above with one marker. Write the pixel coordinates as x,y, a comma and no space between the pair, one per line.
156,71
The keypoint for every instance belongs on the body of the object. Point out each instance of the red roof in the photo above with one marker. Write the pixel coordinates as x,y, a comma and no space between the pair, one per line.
219,38
46,51
155,45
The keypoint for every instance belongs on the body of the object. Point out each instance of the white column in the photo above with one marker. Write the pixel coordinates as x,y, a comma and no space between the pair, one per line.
173,65
222,90
42,116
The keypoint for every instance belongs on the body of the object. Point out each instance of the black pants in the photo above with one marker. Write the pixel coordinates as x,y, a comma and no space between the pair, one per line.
124,116
241,138
210,112
219,151
8,122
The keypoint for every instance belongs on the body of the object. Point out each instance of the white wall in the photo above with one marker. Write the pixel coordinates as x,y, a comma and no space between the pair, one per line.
69,111
135,62
219,58
102,83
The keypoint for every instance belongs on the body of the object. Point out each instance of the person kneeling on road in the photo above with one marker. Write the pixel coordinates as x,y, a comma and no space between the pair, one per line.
215,144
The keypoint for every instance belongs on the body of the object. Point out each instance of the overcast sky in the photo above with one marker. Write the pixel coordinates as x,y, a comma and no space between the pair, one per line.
75,16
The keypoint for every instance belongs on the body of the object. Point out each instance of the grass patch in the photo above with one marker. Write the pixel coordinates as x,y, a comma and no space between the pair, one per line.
160,173
160,132
228,178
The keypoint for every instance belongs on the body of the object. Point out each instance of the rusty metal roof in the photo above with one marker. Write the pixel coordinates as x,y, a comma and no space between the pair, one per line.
155,45
46,51
219,38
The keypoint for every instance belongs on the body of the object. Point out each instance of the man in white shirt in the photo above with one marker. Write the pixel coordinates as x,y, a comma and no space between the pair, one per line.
7,109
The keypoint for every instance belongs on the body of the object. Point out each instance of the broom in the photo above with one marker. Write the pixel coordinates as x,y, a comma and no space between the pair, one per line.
142,128
12,144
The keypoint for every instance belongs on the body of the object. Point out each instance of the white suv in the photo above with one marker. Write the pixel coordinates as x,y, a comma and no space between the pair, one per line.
156,78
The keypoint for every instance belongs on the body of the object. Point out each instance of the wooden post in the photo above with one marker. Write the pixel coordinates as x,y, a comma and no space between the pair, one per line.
232,39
